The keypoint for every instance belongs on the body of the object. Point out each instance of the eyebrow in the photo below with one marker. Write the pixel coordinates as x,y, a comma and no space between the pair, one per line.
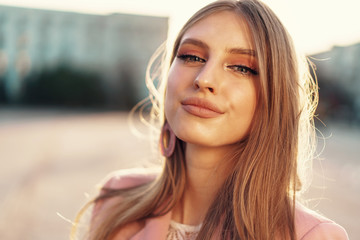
242,51
199,43
195,42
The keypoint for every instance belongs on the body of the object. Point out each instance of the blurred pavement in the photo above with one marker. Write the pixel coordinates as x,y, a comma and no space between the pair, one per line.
50,159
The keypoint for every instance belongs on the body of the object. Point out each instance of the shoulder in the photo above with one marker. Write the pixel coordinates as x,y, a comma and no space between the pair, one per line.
128,178
310,225
121,179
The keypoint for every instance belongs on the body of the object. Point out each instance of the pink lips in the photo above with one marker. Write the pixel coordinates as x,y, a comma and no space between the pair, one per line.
201,107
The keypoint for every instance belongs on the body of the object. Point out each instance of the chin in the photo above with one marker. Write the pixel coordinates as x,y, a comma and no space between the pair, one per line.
192,137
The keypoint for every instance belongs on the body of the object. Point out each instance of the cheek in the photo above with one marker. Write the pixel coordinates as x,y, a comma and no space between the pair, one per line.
172,80
181,76
179,80
244,98
251,101
172,86
243,105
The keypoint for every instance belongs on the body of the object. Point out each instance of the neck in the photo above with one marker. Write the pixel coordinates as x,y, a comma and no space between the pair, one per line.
206,170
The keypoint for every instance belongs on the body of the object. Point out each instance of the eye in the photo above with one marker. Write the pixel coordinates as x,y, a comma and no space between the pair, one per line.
243,69
191,58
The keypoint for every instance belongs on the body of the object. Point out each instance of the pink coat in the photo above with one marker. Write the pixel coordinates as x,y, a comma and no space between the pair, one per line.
309,225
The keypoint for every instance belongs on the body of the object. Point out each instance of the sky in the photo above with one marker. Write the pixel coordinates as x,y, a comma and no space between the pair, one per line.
315,25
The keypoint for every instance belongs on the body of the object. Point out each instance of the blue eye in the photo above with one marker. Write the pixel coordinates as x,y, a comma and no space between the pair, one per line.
191,58
243,69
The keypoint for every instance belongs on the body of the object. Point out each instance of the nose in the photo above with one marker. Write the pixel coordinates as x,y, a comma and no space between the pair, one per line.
206,79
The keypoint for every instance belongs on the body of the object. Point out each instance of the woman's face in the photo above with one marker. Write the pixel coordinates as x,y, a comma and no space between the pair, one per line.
212,85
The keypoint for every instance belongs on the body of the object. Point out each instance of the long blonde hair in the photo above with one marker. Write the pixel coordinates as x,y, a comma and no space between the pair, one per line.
257,199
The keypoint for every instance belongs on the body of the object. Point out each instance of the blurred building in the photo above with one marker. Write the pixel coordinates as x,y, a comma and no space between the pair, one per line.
115,46
338,72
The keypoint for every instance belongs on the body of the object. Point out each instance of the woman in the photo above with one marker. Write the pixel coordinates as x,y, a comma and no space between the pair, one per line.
236,125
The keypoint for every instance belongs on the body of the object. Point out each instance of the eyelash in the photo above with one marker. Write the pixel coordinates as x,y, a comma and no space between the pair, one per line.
188,58
243,69
191,58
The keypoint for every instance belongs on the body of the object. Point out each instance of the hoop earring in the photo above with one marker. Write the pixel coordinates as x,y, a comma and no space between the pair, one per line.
167,140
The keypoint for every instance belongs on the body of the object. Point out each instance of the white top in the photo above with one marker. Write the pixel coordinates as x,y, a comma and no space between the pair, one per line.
179,231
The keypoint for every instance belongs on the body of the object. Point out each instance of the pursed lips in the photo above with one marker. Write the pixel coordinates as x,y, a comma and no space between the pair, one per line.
201,107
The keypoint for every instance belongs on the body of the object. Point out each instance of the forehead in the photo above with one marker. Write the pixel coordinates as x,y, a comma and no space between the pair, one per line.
221,29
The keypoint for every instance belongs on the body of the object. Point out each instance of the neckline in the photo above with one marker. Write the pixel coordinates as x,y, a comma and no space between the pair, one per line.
185,227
